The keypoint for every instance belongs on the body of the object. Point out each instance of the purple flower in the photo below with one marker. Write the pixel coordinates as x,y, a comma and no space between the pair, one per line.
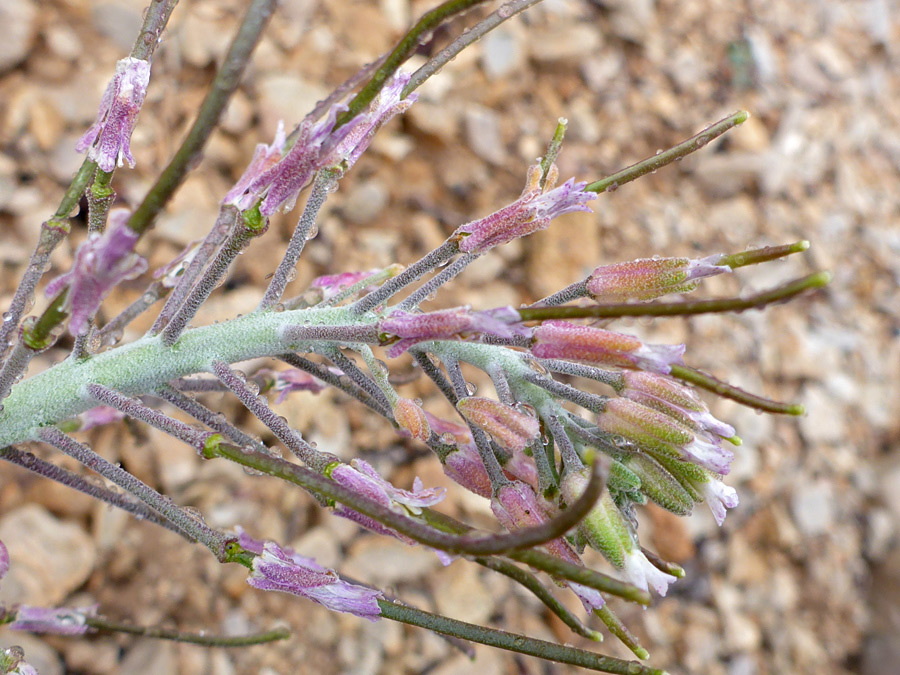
101,263
59,621
318,146
360,477
291,380
531,212
108,140
674,399
511,428
332,284
564,340
99,416
447,324
264,158
657,431
718,497
277,570
650,278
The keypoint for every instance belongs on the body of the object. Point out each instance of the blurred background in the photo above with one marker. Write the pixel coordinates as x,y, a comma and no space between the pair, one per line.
804,577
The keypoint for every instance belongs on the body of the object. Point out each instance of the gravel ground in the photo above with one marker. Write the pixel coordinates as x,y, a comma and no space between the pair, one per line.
804,577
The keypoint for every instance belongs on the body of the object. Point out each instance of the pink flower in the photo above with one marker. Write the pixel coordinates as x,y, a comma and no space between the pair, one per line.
650,278
59,621
657,431
448,324
293,379
318,146
108,140
278,570
510,428
531,212
361,478
674,399
96,417
564,340
101,263
332,284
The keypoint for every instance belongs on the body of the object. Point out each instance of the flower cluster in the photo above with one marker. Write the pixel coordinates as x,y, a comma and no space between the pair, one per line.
276,173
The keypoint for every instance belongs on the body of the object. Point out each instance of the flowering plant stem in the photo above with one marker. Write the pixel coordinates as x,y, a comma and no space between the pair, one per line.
107,626
683,149
513,642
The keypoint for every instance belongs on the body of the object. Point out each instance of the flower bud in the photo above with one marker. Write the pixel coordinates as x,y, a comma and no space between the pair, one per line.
650,278
564,340
674,399
509,427
604,528
411,417
659,485
653,430
56,621
464,466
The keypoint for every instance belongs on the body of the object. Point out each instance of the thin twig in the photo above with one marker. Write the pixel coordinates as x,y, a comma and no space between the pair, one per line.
683,149
682,308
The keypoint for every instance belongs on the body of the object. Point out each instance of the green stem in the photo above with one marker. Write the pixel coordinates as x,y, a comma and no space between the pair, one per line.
681,308
676,153
513,642
542,593
725,390
155,20
403,50
553,148
620,630
108,626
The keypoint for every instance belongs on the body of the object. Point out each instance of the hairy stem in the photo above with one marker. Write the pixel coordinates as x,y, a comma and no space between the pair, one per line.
322,185
65,477
196,529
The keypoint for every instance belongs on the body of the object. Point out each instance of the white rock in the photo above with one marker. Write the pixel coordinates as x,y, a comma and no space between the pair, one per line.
812,506
483,134
49,558
501,53
17,18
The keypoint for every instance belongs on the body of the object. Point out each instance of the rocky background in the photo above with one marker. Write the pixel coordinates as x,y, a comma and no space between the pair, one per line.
804,577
